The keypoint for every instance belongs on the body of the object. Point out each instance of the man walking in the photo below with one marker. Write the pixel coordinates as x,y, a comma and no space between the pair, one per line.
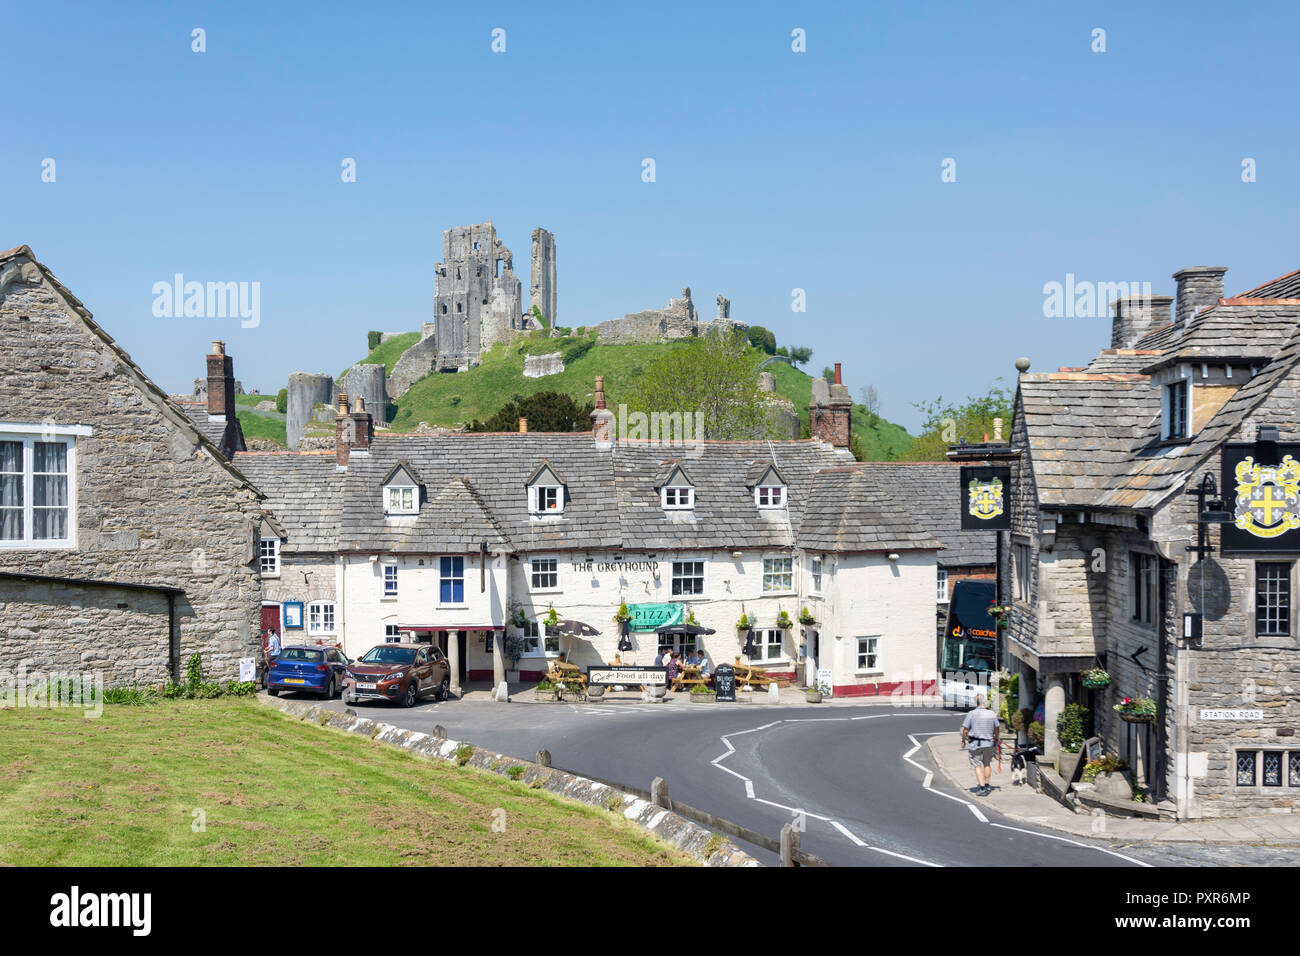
980,736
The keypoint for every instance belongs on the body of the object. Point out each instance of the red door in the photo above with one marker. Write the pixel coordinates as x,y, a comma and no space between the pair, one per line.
270,619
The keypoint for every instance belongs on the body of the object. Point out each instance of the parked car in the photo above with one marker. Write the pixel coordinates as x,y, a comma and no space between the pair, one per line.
400,672
307,667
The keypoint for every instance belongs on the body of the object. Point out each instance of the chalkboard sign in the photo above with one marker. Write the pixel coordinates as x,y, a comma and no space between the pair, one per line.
724,683
1092,749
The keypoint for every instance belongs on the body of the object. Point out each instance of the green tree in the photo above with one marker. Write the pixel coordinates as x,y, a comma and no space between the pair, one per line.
715,374
545,411
372,340
762,338
828,373
947,424
800,355
541,319
282,401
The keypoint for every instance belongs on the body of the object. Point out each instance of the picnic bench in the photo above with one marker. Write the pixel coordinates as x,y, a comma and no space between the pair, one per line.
568,673
689,677
748,675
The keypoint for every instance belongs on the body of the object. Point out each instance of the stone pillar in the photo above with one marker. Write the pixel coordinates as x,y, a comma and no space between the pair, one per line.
453,658
1053,704
306,391
498,659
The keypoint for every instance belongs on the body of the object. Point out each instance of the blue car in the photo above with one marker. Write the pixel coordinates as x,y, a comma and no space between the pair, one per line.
308,668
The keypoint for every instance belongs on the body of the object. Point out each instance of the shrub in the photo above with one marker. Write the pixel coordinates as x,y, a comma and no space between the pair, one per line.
372,340
1107,764
131,696
1069,727
463,753
1037,733
515,772
241,688
701,689
282,401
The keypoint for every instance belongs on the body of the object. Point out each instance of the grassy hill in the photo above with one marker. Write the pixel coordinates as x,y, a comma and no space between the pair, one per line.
454,399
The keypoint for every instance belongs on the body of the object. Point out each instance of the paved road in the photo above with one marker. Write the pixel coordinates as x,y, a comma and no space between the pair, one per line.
869,791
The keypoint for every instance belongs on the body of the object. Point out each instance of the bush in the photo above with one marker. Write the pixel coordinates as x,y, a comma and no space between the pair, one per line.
131,696
1037,733
762,338
1107,764
282,401
701,689
1069,727
241,688
372,340
576,350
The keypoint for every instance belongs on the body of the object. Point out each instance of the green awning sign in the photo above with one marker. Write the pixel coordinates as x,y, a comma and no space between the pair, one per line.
647,617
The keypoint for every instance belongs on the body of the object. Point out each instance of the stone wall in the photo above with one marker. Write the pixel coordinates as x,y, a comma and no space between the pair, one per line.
539,366
305,390
677,320
368,382
152,505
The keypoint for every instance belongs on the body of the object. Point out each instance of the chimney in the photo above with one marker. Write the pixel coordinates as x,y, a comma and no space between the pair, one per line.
523,426
830,410
1198,287
221,383
602,419
344,432
1135,316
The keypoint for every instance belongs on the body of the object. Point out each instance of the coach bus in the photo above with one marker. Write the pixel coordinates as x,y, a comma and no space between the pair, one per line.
968,651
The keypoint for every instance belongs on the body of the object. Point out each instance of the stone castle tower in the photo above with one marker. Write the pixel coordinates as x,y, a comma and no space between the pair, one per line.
478,299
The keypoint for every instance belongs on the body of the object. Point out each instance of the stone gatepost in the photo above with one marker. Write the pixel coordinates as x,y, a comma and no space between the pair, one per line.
498,659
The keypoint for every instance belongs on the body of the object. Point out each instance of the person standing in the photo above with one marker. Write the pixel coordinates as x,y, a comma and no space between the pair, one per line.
272,647
980,736
674,668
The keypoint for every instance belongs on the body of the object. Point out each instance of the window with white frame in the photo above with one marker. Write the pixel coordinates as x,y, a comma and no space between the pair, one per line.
390,580
941,586
537,643
770,496
548,499
770,644
815,574
1272,599
678,497
1020,561
778,574
402,499
868,653
545,574
451,583
37,488
320,617
688,578
268,551
392,634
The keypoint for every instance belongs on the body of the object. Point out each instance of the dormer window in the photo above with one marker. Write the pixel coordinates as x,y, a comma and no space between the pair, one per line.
769,485
1175,410
678,497
770,496
402,490
546,492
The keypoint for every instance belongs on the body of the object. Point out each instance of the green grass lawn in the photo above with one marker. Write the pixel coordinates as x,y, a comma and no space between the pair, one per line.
387,353
260,426
122,790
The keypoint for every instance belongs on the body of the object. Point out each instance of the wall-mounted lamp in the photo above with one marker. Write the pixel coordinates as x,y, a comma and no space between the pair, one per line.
737,554
1267,433
892,556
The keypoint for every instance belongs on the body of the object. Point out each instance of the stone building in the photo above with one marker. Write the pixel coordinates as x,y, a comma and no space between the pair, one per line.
126,536
677,320
541,282
1104,563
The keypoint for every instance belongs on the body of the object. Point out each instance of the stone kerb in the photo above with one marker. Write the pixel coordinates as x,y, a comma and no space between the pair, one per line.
697,842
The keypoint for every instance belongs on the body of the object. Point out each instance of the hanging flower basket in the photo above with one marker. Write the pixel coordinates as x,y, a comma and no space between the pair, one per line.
806,618
1136,710
783,621
999,611
744,623
1095,678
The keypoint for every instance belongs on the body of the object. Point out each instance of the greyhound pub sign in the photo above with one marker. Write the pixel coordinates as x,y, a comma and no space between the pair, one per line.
1261,489
986,503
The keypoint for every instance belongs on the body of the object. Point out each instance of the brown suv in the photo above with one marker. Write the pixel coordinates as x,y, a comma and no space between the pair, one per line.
400,672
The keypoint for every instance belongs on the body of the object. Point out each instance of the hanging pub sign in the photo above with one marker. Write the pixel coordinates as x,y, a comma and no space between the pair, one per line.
1261,489
986,497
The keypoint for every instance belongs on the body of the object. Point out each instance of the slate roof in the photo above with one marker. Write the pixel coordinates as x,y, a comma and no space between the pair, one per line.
228,436
304,492
1094,436
864,509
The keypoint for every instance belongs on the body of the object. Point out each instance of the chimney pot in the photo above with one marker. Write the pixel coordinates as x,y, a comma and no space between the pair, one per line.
600,391
997,429
221,382
838,379
359,404
218,348
523,426
343,404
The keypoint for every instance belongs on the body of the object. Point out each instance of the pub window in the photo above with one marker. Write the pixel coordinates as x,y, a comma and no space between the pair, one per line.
815,574
392,635
1272,599
390,580
537,643
452,580
778,574
685,645
545,574
770,643
688,578
1142,587
868,653
679,498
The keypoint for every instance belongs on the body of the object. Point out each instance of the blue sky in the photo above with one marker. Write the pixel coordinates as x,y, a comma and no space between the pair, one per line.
774,170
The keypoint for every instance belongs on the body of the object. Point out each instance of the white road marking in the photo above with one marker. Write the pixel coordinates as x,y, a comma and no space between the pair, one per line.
1052,836
749,784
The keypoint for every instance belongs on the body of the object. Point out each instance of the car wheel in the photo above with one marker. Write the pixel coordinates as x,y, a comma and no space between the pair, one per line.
329,691
444,689
412,693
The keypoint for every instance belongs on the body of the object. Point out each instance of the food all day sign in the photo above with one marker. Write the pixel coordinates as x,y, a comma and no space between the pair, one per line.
986,498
